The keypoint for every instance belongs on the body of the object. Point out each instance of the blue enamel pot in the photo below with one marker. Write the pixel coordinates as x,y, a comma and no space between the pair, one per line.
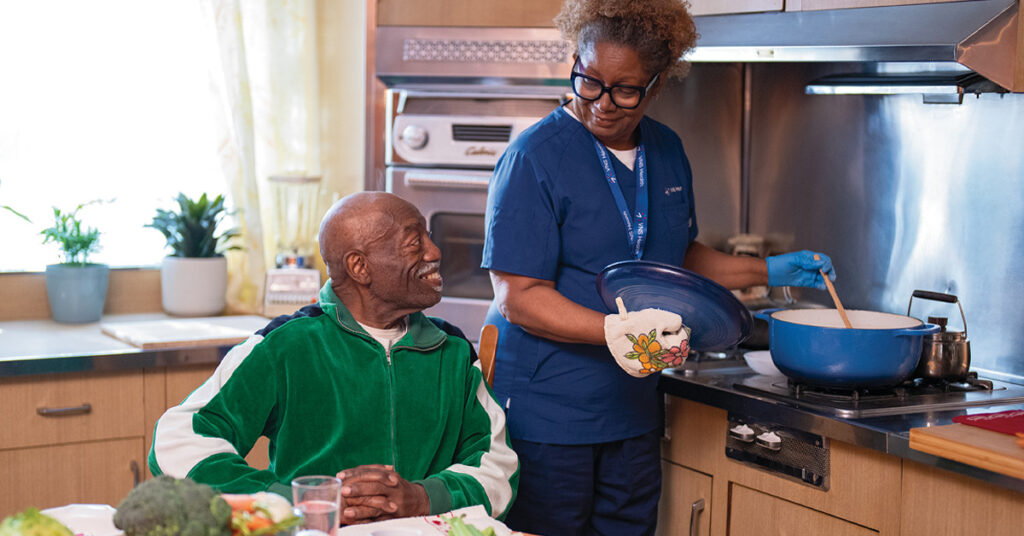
813,346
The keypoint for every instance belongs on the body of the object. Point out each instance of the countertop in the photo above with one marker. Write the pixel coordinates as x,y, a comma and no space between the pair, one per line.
45,346
888,434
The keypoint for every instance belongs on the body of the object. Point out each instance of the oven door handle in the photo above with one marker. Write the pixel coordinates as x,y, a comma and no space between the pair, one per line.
442,180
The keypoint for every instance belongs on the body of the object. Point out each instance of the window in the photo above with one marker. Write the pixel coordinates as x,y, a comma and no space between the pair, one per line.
107,99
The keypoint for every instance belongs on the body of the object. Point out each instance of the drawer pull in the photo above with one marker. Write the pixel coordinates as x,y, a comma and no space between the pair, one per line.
695,511
136,473
63,412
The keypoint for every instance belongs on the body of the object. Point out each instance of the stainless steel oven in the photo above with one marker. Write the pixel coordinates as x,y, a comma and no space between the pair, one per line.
442,146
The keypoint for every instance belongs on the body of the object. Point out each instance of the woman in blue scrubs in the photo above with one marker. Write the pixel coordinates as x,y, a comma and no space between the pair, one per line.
593,183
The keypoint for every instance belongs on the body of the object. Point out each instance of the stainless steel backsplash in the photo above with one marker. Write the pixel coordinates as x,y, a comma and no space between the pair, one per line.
903,195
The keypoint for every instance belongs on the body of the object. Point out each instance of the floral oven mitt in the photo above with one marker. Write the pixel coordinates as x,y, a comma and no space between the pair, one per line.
646,341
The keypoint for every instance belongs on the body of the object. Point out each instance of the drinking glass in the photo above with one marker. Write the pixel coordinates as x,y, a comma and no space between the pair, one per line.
319,499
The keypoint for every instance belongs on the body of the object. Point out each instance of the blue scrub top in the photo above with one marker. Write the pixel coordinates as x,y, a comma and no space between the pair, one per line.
551,216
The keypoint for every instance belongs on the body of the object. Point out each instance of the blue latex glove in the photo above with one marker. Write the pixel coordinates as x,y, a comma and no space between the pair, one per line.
799,269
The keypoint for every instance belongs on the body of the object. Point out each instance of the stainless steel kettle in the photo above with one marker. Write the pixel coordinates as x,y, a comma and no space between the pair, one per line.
945,355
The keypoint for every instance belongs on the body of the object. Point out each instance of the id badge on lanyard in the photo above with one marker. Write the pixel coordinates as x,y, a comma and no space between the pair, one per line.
636,224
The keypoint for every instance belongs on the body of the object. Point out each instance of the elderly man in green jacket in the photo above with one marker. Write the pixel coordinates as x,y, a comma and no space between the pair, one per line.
362,385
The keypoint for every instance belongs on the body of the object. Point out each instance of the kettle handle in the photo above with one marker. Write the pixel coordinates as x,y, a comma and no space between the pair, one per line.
938,296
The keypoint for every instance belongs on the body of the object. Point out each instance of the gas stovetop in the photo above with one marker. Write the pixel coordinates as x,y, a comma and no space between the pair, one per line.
914,396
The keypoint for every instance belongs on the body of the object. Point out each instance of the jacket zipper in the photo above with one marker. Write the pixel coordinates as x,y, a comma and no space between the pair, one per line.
391,390
391,387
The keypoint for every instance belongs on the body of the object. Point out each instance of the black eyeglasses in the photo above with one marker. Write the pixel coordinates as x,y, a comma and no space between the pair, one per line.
591,89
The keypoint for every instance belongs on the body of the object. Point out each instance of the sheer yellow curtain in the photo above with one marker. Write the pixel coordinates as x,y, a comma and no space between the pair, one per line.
266,81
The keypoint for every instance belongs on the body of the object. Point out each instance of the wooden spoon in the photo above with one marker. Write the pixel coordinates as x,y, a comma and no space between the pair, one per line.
835,297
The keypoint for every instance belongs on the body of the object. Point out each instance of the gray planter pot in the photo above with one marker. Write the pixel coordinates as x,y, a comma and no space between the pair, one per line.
77,293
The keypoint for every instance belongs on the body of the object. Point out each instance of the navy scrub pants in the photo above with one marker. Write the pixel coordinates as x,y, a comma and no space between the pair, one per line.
609,489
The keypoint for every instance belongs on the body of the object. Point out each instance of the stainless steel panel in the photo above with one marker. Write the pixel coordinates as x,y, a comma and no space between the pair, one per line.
407,56
703,109
903,195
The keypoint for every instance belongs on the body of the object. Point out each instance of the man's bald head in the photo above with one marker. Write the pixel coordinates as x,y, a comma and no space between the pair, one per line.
355,222
382,263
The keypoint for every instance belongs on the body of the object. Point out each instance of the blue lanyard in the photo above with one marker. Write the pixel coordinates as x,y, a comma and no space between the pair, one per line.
636,226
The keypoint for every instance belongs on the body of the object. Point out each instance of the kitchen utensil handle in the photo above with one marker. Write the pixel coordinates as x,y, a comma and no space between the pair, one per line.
923,329
938,296
64,412
695,511
835,297
440,180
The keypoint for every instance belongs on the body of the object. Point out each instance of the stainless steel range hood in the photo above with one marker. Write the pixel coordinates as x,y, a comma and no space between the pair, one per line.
981,35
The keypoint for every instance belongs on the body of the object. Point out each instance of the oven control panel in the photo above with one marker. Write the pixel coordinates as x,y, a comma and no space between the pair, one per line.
783,451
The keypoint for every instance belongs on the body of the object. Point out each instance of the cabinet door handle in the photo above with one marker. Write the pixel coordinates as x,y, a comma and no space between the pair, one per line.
63,412
136,473
695,510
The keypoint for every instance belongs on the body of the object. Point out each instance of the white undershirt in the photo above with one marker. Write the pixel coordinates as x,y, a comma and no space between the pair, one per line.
626,156
387,337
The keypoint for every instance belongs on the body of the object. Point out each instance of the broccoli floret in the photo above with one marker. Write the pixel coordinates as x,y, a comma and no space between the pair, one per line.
167,506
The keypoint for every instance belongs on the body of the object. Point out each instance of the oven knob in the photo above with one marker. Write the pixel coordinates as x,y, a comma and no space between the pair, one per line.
770,441
742,432
415,137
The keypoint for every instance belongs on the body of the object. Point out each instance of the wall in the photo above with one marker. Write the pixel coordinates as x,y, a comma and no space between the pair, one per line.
901,194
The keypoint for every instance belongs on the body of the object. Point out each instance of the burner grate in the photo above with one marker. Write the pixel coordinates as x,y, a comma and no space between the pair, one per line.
898,393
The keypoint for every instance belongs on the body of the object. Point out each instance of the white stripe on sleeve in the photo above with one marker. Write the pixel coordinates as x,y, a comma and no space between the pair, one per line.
499,463
176,447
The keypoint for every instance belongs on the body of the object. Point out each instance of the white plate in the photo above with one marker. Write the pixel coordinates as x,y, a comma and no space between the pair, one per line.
87,519
761,362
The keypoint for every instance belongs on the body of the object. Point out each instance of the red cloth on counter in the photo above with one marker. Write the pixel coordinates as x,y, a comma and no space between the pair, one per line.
1005,422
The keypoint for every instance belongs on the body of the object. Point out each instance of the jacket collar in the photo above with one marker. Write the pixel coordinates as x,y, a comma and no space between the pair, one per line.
422,335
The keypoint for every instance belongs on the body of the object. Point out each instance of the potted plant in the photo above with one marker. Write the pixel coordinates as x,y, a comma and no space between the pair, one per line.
76,288
194,277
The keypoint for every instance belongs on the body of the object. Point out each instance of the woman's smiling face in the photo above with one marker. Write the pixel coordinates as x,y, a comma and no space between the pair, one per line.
612,64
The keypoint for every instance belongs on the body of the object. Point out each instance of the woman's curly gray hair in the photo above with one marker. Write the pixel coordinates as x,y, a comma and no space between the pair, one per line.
660,31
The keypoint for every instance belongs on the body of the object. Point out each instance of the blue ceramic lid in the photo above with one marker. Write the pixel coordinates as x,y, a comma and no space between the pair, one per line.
717,320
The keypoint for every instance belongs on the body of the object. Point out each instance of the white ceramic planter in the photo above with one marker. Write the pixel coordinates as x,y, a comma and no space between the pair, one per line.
76,292
193,286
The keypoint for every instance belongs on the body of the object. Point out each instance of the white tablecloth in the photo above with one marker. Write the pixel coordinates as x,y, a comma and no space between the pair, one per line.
428,525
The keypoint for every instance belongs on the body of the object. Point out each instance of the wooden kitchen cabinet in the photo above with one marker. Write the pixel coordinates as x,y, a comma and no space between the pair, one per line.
753,512
481,13
938,503
685,499
70,438
93,472
864,490
66,408
870,492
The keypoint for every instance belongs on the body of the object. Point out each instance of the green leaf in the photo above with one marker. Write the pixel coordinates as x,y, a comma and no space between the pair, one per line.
75,242
191,230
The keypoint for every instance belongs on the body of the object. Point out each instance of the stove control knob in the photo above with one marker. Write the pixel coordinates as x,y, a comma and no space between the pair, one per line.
770,441
415,137
743,433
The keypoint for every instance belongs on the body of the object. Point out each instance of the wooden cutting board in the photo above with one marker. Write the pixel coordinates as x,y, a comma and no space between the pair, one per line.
185,332
971,445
